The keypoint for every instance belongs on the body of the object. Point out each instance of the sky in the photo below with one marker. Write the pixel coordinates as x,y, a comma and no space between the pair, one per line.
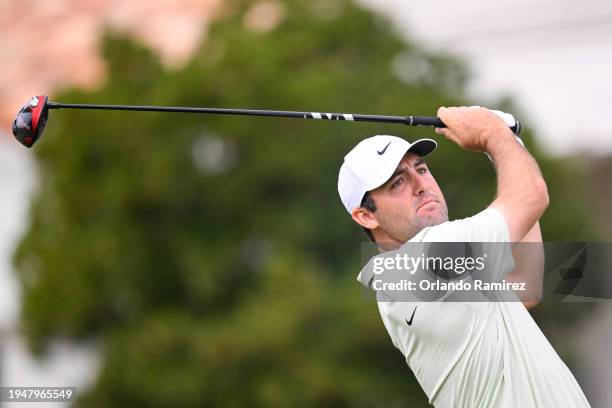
553,57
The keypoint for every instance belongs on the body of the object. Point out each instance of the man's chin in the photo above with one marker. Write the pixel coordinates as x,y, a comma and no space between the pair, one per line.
431,220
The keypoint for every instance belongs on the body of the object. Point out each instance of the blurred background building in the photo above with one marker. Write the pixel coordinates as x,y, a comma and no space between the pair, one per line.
552,58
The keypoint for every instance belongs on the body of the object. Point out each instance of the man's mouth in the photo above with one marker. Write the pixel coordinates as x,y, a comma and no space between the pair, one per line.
425,203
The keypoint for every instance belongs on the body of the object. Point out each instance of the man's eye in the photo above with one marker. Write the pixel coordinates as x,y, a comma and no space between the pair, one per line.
397,182
422,170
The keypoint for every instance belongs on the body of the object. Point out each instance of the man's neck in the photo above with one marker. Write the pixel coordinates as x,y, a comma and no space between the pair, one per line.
388,246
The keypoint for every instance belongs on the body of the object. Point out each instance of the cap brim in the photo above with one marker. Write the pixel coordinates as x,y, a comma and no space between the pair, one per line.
423,147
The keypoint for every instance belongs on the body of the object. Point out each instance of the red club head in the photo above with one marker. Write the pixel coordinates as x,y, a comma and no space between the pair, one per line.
31,120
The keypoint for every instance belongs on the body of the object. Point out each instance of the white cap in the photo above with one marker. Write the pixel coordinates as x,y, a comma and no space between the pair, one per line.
372,162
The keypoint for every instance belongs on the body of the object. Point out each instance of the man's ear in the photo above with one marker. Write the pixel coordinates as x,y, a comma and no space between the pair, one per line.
364,217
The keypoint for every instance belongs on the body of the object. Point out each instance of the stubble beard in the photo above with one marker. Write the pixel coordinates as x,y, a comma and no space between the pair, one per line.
420,222
402,229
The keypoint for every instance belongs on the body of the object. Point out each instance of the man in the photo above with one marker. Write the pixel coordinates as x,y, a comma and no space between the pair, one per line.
464,354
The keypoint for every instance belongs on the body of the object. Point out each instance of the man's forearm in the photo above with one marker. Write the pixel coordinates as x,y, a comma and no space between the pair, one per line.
512,159
521,190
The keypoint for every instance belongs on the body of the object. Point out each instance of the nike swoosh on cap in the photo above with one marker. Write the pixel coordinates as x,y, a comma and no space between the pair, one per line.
381,152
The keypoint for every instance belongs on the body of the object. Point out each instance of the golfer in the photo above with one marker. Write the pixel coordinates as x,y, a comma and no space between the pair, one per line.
463,354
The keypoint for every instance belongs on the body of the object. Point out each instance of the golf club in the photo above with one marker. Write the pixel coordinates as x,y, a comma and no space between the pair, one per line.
31,119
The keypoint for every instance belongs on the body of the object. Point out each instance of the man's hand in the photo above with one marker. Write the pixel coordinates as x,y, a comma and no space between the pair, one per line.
472,128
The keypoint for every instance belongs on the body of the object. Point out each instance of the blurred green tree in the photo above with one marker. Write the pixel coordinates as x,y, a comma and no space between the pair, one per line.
211,254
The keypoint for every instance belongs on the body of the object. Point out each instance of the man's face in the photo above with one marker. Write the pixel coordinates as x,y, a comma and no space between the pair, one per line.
408,202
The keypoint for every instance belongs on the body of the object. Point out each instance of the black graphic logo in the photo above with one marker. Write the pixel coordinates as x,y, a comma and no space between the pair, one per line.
411,317
381,152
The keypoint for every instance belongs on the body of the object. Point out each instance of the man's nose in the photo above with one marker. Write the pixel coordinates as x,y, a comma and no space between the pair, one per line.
418,184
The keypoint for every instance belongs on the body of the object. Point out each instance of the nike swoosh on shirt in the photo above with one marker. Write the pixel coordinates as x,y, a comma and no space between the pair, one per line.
381,152
411,317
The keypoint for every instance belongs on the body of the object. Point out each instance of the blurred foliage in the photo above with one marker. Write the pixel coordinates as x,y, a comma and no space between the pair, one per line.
211,254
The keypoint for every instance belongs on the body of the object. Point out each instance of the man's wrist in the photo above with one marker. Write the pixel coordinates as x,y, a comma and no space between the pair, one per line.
497,138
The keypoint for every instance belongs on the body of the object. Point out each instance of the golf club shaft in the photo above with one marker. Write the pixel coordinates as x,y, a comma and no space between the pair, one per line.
406,120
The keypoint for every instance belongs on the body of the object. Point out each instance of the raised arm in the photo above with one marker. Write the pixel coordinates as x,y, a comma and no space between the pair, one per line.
522,196
529,267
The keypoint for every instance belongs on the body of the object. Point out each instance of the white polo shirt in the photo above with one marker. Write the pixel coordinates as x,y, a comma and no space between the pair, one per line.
478,354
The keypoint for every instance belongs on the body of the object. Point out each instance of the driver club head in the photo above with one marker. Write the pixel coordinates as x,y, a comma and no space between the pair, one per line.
31,120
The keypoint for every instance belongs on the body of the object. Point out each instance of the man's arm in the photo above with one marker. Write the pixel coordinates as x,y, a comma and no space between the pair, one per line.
522,196
529,260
